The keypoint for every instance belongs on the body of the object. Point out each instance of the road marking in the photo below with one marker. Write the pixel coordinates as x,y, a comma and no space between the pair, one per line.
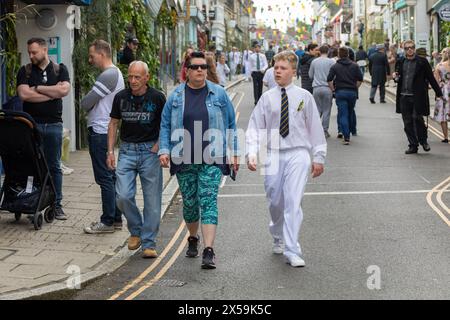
239,103
433,206
163,270
332,193
153,265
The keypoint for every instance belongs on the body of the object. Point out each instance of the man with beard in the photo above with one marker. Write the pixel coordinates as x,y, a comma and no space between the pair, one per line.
41,85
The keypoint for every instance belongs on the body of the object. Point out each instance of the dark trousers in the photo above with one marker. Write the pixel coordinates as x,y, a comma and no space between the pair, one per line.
415,128
257,85
52,136
373,91
105,178
346,101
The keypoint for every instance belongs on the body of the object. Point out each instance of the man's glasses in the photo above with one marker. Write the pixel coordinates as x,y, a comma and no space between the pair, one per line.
44,77
196,66
407,48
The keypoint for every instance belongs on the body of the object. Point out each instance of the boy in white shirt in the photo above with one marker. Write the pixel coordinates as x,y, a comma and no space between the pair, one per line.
287,118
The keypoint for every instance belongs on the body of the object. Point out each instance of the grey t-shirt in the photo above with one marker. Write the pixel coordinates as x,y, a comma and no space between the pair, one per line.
98,102
319,70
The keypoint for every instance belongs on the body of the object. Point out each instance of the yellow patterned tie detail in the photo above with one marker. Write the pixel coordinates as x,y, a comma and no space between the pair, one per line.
284,119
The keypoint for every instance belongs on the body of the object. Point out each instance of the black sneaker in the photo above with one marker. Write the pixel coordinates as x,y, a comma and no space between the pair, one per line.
426,147
340,135
59,214
192,251
411,150
208,258
372,101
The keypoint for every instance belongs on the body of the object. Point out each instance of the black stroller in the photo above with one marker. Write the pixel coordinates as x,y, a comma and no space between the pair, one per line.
28,187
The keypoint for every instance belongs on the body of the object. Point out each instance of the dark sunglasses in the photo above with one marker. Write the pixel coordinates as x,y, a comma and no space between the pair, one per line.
407,48
196,66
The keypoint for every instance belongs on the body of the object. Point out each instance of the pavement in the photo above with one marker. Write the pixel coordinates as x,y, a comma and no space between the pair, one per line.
61,255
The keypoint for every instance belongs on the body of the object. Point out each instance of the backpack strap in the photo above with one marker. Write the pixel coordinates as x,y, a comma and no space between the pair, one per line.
29,66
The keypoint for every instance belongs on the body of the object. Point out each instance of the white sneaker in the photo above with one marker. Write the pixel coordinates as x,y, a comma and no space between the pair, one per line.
295,261
277,247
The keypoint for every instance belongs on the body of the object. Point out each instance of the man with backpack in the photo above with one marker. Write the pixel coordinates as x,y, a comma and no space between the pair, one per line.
41,85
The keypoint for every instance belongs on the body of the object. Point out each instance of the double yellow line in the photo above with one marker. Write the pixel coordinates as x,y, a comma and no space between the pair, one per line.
439,189
157,261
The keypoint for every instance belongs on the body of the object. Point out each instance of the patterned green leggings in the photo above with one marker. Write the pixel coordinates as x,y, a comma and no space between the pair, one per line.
199,186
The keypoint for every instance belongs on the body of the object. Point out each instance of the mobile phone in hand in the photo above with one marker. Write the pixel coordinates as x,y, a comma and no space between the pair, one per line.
232,173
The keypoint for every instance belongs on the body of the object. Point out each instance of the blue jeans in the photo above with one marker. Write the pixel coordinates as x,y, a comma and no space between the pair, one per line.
134,159
52,136
346,100
105,178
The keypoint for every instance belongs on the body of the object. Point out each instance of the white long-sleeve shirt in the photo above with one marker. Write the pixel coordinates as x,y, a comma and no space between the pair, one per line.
269,78
262,62
222,71
305,128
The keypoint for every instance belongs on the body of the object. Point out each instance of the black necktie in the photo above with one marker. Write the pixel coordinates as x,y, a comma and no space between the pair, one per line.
284,119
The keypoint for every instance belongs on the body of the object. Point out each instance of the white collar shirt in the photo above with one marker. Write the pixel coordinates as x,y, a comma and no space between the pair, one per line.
262,62
305,127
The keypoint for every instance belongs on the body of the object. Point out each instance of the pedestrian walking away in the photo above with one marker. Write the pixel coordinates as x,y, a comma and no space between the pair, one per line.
196,120
41,85
413,75
98,103
344,80
139,108
291,112
379,70
318,72
361,59
259,65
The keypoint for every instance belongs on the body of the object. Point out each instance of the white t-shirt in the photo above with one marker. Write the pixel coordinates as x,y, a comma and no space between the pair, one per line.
269,78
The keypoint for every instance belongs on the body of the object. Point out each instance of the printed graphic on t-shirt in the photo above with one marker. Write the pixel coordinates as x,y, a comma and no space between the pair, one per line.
142,112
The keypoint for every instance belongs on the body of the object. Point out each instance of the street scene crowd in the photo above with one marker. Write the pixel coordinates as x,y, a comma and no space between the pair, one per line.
193,130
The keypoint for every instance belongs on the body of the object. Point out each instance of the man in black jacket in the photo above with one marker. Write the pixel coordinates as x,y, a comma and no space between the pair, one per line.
412,74
305,64
379,70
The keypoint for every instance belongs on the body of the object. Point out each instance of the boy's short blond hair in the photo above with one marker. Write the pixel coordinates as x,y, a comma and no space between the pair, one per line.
288,56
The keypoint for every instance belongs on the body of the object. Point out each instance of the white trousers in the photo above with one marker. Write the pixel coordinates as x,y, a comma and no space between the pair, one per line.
285,187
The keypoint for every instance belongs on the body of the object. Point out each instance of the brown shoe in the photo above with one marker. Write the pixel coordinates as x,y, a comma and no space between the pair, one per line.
149,253
134,242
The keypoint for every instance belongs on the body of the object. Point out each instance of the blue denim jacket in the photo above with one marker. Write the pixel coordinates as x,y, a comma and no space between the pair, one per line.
222,134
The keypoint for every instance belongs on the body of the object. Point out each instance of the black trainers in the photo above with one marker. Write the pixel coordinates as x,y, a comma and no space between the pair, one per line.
426,147
192,250
59,214
340,135
411,150
208,261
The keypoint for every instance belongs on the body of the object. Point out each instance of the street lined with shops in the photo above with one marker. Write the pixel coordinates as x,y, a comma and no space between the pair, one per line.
376,212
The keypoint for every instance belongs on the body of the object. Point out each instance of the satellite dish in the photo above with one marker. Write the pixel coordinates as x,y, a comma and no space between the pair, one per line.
46,19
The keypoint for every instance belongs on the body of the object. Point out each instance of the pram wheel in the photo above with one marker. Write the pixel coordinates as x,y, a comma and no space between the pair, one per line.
49,214
38,219
17,216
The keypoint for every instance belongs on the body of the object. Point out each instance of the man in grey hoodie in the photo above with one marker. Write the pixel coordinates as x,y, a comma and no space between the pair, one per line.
318,72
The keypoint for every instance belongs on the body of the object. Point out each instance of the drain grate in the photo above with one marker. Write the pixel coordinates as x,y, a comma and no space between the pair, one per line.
169,283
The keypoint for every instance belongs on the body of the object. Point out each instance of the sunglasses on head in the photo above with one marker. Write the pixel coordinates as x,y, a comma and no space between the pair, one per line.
196,66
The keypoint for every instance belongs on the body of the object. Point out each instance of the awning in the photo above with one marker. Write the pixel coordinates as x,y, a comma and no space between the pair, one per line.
154,6
439,4
77,2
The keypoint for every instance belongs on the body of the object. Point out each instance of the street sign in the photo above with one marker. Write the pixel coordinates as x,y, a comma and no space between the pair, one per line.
444,12
212,15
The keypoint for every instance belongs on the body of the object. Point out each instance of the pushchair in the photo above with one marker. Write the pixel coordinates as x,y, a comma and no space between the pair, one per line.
28,187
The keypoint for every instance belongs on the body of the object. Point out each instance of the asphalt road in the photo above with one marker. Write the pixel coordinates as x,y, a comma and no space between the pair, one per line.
369,231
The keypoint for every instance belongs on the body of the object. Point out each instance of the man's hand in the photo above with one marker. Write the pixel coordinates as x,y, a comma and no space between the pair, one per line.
164,160
235,163
111,161
155,148
316,169
251,163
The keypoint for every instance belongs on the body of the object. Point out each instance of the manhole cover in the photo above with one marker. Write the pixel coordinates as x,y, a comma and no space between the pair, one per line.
169,283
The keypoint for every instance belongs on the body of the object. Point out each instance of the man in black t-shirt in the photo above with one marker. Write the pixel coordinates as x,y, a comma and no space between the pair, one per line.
41,85
140,109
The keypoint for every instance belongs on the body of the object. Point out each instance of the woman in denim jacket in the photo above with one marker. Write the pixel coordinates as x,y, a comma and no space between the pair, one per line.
197,136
